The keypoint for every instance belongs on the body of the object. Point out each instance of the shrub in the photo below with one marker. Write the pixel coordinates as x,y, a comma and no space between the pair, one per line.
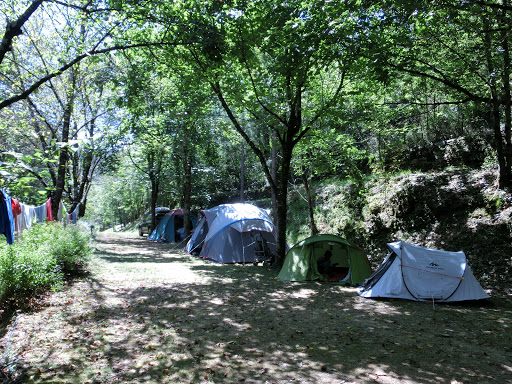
24,271
69,247
48,254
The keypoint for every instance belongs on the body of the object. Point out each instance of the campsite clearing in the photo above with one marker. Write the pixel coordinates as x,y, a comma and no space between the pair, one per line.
148,314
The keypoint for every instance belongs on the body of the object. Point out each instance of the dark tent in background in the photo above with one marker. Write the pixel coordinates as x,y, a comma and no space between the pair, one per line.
423,274
170,228
304,261
233,233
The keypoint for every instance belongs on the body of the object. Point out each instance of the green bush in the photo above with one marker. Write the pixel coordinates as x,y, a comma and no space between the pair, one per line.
69,247
48,254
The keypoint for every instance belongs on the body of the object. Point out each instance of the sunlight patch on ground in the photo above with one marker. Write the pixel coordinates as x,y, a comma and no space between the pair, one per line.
304,293
381,374
237,325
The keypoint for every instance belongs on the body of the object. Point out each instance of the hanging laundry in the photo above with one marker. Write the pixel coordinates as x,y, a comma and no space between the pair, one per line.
6,217
74,215
49,213
28,215
16,208
24,219
40,213
61,213
16,211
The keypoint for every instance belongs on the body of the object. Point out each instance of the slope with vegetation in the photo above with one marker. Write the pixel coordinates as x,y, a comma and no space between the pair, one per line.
452,209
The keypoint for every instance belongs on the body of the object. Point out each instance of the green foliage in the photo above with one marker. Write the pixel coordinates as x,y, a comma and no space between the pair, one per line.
456,209
48,254
24,271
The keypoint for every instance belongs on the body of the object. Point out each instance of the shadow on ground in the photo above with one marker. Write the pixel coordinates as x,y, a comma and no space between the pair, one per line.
237,323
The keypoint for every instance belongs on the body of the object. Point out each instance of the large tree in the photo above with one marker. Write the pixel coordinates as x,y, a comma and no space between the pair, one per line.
461,47
58,131
268,63
116,27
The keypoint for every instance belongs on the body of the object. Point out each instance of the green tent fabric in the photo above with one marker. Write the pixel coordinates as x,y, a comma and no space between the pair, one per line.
300,263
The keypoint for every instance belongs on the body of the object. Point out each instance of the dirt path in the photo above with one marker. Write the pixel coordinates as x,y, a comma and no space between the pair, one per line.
148,314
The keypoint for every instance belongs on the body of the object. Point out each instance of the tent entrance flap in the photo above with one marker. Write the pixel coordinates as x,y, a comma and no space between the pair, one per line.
325,257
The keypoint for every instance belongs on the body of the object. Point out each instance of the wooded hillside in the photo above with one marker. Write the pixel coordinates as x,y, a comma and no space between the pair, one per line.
453,209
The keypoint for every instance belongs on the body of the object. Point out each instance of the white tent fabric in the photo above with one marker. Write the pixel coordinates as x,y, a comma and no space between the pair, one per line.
423,274
227,234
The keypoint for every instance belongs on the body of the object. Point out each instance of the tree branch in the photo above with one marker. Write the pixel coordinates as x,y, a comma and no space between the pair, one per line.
442,80
13,28
23,95
322,110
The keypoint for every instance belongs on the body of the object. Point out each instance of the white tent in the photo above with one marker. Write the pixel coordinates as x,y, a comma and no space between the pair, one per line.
423,274
233,233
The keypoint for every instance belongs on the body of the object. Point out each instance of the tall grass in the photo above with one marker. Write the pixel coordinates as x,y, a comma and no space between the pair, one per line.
48,255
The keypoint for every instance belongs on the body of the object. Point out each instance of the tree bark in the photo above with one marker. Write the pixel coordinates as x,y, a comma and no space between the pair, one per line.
496,117
282,199
506,183
64,151
273,172
153,177
13,28
187,183
242,173
307,186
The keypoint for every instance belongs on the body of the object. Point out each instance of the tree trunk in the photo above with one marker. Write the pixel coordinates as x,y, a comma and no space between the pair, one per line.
63,156
187,184
506,183
242,174
496,118
87,160
282,201
307,186
14,28
154,189
273,172
82,208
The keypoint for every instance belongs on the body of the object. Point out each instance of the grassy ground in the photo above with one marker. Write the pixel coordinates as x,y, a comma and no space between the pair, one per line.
148,314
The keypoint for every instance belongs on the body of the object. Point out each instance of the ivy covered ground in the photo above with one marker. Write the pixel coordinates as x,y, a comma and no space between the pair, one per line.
150,314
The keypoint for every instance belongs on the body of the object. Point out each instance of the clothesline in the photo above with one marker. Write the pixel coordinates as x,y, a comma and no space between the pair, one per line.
15,217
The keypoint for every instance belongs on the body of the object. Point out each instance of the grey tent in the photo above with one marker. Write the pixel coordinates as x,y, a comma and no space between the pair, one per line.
233,233
423,274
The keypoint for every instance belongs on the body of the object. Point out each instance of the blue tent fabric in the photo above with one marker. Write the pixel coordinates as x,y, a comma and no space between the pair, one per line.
171,223
6,217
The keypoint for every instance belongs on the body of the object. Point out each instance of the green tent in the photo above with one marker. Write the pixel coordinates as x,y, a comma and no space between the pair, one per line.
350,264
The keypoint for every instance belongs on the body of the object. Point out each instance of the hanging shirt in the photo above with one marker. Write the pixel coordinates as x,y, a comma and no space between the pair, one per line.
6,217
16,212
74,214
16,207
24,219
40,213
27,215
49,213
61,213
